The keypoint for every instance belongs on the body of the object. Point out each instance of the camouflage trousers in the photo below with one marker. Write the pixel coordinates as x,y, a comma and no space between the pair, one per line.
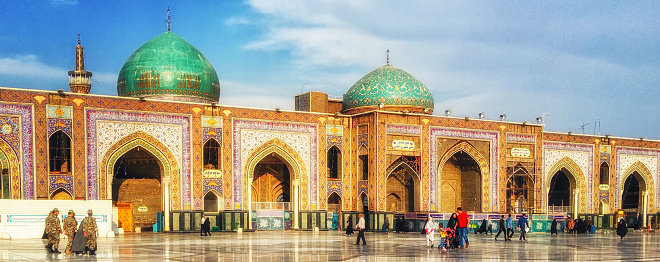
54,238
91,241
69,237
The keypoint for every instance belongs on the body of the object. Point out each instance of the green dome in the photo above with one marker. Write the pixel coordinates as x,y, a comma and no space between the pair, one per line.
394,88
168,67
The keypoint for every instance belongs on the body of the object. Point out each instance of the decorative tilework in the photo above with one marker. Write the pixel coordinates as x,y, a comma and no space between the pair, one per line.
26,142
303,102
62,112
166,127
302,138
522,138
213,184
212,121
55,125
334,187
334,130
60,181
582,155
403,129
363,140
10,132
492,137
363,187
627,158
215,133
334,141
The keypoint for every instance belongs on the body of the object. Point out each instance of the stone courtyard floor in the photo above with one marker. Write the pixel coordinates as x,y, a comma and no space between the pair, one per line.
334,246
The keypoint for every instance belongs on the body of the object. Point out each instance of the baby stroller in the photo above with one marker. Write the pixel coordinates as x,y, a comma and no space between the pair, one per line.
451,240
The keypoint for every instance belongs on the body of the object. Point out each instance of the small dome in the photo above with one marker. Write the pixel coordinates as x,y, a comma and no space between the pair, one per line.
395,89
168,67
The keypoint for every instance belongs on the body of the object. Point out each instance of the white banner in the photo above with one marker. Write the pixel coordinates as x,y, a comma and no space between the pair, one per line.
403,144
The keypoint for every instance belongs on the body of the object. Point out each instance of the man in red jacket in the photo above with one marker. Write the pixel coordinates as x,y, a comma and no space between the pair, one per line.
463,223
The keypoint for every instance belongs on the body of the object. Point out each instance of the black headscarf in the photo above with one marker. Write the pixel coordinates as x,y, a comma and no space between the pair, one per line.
621,228
453,221
553,227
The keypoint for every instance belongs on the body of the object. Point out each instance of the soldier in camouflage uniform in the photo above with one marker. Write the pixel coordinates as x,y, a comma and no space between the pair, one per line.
91,232
53,231
70,225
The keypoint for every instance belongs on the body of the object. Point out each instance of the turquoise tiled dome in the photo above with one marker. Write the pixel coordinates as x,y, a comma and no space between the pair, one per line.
168,67
391,87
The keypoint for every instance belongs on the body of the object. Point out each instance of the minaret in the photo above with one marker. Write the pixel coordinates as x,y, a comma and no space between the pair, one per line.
80,81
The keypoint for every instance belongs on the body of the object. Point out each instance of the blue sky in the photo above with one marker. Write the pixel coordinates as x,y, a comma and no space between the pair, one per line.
578,60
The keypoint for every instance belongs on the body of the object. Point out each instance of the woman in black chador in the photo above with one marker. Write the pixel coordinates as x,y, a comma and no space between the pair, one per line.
349,226
621,228
483,227
453,222
553,227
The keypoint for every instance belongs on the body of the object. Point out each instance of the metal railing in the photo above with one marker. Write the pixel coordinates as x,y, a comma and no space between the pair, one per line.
271,206
559,209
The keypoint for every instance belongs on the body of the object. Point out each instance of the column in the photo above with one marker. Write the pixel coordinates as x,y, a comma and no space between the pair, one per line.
576,203
294,203
249,208
166,202
645,206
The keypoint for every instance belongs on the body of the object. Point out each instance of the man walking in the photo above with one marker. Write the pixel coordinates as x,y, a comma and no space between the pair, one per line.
502,228
70,225
91,232
523,224
509,228
463,222
53,231
360,227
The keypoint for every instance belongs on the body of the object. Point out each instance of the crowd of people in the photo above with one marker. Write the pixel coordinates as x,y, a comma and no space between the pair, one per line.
80,241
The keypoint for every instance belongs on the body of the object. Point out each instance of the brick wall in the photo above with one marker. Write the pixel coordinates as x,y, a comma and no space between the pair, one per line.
142,193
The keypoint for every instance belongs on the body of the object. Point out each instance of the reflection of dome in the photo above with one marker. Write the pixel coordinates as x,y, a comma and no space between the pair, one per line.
392,87
168,67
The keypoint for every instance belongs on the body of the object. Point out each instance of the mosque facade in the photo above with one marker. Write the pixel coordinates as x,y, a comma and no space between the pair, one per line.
165,149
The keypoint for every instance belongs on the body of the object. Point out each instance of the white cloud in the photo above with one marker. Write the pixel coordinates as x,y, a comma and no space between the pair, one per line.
29,65
64,2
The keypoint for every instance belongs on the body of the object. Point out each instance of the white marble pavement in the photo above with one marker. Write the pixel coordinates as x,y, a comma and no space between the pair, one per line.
334,246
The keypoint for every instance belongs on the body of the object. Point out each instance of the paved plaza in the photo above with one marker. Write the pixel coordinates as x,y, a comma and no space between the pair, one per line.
334,246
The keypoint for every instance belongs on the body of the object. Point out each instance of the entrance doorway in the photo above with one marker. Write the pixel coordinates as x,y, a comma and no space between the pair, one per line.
271,194
334,207
561,194
632,198
136,189
402,190
461,184
519,190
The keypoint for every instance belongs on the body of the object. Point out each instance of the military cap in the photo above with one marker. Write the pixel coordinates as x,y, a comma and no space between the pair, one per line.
55,210
71,211
89,212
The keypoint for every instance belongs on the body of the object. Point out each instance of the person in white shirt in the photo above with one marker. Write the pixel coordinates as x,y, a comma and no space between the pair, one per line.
360,227
430,230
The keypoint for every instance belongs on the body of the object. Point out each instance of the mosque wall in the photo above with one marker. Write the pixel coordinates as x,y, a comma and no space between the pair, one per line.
103,128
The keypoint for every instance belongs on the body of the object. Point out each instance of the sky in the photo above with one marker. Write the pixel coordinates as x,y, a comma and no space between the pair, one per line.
591,63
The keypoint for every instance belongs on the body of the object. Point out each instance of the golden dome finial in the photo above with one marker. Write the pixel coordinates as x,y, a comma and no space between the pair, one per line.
169,20
388,56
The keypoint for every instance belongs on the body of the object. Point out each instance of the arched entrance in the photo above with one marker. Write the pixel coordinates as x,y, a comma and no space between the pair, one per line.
632,198
136,187
519,190
60,194
461,185
271,182
334,206
402,189
561,194
566,191
9,172
166,160
211,202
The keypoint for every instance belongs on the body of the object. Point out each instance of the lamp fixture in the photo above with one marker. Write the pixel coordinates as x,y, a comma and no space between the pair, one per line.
60,92
447,112
502,117
482,115
539,120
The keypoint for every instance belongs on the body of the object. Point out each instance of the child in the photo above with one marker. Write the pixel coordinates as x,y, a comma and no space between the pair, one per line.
443,237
